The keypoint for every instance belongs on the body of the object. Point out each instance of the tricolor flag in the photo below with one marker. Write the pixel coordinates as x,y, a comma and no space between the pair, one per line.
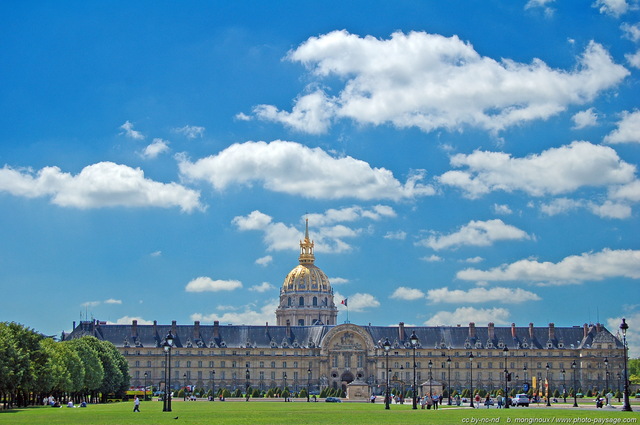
344,302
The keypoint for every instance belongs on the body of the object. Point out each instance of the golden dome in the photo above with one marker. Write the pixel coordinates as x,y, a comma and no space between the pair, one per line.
306,276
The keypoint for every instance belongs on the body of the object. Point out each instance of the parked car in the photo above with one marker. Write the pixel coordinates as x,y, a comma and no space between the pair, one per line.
333,400
520,400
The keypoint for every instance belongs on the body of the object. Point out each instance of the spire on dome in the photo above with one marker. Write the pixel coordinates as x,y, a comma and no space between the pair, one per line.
306,247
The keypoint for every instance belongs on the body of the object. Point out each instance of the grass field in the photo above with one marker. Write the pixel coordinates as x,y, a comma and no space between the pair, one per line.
300,413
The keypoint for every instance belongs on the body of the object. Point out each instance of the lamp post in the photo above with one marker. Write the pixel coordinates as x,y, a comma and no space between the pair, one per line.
471,376
623,327
449,379
213,385
247,377
414,342
505,351
606,377
387,346
575,385
308,384
284,376
184,388
430,366
145,386
564,385
618,391
548,386
168,343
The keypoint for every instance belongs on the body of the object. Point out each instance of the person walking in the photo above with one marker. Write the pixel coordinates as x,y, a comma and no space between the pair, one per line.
136,404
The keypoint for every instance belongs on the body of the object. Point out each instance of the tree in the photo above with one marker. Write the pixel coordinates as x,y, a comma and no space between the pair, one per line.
93,369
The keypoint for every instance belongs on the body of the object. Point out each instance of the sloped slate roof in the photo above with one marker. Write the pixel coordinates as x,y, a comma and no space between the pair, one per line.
430,337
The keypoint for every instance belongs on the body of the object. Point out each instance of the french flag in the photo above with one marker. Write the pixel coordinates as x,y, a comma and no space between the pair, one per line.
344,302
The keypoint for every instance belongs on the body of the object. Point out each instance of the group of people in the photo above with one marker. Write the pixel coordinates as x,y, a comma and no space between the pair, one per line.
51,401
430,401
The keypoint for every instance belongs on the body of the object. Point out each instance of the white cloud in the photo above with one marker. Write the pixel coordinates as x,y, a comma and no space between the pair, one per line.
407,294
574,269
338,280
583,119
474,260
502,209
279,236
633,59
541,4
295,169
398,235
156,254
361,302
127,320
248,316
128,131
104,184
481,295
263,287
157,147
630,192
628,130
264,261
612,7
350,214
632,32
554,171
190,131
91,303
430,82
633,336
432,259
206,284
608,209
465,315
112,301
476,233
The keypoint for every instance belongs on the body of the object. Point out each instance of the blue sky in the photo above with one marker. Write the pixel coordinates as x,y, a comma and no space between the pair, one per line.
457,161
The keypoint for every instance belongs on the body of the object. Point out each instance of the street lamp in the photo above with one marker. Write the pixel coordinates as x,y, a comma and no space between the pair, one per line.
387,346
213,385
548,386
414,342
247,376
449,379
308,383
575,385
430,366
284,376
184,389
471,376
564,385
606,377
168,343
623,327
505,351
145,386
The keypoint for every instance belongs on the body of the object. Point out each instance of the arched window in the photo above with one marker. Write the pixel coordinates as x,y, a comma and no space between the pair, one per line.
315,301
301,301
289,301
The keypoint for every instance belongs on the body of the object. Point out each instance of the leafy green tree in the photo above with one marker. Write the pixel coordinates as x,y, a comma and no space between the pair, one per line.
93,369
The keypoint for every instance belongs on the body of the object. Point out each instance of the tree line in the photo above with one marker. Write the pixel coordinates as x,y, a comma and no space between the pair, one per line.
34,366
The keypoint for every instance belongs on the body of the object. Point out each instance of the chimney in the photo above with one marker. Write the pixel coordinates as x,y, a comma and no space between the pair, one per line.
174,330
216,329
266,327
513,330
598,327
155,327
491,330
401,331
472,330
531,334
74,325
134,328
552,331
196,329
585,330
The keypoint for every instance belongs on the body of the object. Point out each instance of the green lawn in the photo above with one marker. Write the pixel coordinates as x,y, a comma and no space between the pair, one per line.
300,413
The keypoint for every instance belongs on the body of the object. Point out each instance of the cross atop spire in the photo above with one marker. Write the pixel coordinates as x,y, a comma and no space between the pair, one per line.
306,246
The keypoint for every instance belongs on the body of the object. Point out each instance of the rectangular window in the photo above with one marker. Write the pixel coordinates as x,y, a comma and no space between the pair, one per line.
211,363
273,376
360,360
199,363
222,364
284,365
